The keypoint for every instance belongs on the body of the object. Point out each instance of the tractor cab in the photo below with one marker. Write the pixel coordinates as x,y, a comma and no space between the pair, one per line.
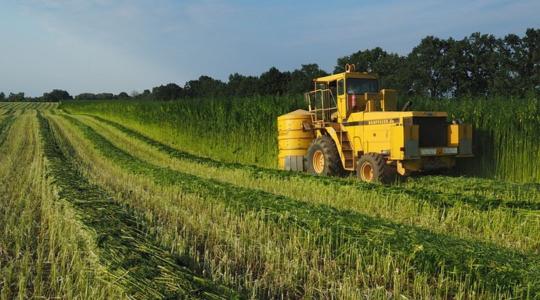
336,97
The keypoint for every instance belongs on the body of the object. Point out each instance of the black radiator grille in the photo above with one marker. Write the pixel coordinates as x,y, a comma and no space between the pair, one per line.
433,131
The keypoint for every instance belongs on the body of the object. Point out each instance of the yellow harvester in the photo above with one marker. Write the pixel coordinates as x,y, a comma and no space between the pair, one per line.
351,126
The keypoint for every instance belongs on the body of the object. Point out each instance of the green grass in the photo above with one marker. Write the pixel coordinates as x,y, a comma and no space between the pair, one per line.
480,264
506,135
526,196
93,206
235,130
461,206
507,145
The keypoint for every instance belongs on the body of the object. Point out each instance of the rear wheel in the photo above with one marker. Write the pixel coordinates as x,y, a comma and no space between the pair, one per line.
372,167
322,158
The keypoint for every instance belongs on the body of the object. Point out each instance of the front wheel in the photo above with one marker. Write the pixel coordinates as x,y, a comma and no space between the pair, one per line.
323,158
372,167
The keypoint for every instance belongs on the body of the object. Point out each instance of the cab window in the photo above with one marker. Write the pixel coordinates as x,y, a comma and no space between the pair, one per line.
360,85
340,87
321,86
332,87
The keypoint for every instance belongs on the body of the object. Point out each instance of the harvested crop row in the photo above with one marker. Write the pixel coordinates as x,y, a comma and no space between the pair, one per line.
268,258
241,249
26,105
514,195
5,124
16,106
398,204
7,110
44,253
350,233
140,265
496,192
50,106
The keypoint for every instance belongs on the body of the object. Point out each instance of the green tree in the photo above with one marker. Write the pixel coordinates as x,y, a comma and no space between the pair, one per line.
457,70
205,86
16,97
146,94
484,62
301,80
273,82
240,85
167,92
86,96
2,96
530,67
123,96
389,66
428,64
56,95
509,80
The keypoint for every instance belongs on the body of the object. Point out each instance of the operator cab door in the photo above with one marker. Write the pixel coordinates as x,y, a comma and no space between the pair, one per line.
341,100
353,115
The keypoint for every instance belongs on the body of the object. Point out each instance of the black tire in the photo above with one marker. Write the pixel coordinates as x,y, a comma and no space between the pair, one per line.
372,167
332,163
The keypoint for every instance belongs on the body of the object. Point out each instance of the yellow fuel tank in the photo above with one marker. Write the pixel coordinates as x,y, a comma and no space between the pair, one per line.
293,139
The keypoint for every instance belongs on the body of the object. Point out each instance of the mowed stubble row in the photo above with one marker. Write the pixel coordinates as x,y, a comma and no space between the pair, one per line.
172,223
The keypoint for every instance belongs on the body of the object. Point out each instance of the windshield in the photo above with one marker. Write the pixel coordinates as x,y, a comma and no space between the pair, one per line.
362,85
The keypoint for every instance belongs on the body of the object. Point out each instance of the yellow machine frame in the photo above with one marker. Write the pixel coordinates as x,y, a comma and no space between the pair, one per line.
371,124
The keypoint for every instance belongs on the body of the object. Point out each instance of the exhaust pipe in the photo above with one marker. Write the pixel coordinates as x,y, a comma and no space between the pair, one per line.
407,105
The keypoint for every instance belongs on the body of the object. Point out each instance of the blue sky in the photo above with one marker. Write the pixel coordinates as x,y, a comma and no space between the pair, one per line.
114,46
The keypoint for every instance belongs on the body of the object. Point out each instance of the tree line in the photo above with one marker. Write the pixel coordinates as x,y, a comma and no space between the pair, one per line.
477,65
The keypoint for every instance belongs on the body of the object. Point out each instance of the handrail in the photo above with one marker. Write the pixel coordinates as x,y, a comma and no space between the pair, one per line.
322,113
